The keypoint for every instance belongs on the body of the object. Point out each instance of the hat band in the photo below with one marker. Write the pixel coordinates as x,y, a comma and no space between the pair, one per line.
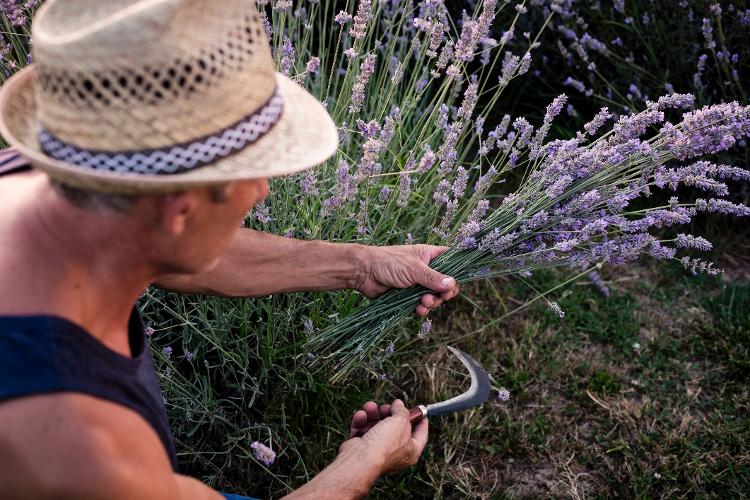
176,158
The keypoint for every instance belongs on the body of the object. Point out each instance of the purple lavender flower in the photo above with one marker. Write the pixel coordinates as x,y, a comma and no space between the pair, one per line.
451,207
480,210
576,84
555,307
598,282
441,195
674,100
460,182
363,16
503,394
263,453
404,190
287,56
307,184
690,241
466,231
369,130
148,332
427,161
12,11
167,352
699,266
385,192
366,69
495,242
308,325
342,18
362,219
437,34
389,128
708,33
426,328
312,65
467,42
262,213
598,121
469,101
267,27
722,207
390,348
282,5
484,180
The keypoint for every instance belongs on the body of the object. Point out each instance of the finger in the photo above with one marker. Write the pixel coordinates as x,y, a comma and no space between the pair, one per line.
359,421
449,294
385,411
428,300
419,435
399,410
436,303
422,310
426,276
371,409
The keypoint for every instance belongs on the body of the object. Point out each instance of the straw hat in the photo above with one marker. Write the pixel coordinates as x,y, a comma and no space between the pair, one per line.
139,96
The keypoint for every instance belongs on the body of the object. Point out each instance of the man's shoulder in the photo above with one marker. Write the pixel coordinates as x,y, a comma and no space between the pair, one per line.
77,445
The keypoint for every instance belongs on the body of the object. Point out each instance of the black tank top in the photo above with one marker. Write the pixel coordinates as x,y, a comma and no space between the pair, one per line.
48,354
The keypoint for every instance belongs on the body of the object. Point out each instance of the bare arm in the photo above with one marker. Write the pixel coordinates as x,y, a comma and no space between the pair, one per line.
389,444
76,446
257,264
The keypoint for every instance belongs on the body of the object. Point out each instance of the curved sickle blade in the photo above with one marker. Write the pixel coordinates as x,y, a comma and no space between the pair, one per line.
477,394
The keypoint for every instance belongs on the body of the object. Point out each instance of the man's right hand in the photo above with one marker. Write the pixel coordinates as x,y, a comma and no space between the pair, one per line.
388,433
389,444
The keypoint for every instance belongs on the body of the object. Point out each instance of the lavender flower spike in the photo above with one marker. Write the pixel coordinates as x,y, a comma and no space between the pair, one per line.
263,453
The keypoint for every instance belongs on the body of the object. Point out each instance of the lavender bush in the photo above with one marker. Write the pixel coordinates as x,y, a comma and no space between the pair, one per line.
625,52
427,148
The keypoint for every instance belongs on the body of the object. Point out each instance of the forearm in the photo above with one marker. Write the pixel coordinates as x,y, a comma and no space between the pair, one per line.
258,263
351,475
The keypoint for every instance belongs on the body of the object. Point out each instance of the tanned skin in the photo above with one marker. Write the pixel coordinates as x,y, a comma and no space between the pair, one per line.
89,266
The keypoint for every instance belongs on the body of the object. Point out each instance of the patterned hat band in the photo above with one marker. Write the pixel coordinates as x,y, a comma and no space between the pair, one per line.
176,158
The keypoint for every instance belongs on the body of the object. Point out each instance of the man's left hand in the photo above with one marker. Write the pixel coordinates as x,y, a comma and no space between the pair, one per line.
403,266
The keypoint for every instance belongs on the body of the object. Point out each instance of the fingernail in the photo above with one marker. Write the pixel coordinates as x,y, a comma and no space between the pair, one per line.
447,281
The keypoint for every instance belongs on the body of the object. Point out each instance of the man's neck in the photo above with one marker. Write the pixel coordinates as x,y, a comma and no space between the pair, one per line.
83,265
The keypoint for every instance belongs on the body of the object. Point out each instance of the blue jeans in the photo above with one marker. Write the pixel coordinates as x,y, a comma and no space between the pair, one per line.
230,496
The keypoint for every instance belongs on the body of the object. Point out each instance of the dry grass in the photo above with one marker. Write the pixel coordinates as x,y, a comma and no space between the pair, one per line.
628,396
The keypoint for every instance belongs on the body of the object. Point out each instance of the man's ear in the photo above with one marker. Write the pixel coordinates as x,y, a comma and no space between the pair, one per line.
176,210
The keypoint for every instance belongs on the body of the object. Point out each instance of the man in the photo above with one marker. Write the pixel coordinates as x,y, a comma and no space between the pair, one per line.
153,126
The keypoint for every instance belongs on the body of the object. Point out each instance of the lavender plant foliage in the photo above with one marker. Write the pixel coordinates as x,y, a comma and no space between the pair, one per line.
574,208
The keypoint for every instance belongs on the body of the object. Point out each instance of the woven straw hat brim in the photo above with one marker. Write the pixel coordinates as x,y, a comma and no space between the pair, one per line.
305,136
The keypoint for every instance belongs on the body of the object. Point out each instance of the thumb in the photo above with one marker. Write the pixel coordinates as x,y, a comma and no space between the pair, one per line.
429,278
398,409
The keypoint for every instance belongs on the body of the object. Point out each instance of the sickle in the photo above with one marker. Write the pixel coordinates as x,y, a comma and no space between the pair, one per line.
478,392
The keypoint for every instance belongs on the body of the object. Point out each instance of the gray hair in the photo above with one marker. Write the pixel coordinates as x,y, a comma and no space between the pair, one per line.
117,203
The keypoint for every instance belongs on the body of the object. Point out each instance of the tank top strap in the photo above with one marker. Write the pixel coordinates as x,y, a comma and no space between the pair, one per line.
11,161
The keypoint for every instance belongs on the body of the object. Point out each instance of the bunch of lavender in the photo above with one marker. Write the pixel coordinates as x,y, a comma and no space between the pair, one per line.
574,208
